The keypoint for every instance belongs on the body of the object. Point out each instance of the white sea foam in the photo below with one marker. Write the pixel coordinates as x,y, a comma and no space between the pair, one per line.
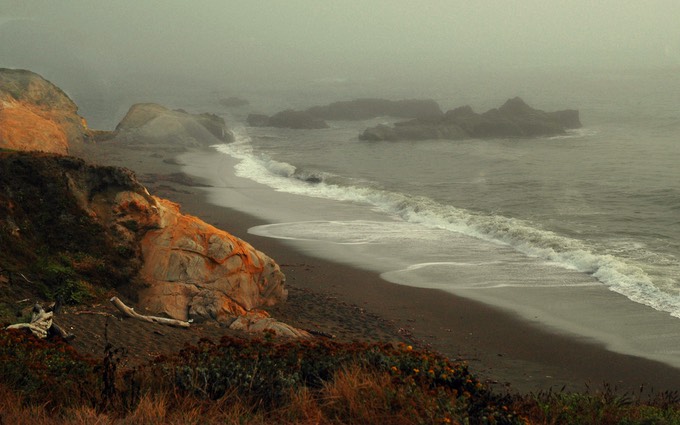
575,133
622,276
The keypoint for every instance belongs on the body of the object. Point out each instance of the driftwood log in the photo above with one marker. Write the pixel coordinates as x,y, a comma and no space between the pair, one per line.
41,322
130,312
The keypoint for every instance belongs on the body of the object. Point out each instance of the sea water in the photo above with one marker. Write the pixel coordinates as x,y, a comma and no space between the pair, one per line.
603,200
580,232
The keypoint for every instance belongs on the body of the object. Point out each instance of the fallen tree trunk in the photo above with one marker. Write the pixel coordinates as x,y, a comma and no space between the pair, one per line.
41,321
130,312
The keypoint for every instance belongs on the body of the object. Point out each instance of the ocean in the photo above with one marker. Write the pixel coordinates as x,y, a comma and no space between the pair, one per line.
579,232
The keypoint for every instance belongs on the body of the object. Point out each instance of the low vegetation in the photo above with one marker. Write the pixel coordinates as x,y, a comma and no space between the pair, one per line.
51,248
263,381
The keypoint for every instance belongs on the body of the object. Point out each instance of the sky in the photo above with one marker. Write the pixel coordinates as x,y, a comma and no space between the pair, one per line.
86,41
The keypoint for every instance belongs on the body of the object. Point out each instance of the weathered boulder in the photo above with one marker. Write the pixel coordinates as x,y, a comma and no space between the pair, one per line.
35,115
260,322
287,119
364,109
153,124
196,271
514,119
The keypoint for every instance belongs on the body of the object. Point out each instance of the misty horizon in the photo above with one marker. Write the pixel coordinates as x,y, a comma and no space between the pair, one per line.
230,43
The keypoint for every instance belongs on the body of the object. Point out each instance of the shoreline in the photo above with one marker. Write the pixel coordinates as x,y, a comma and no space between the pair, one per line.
501,348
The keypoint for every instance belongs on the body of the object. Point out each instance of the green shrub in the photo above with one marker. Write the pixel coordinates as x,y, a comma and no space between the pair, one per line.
61,281
269,373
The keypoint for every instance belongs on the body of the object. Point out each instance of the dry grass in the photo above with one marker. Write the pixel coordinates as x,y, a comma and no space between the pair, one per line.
353,396
261,382
357,395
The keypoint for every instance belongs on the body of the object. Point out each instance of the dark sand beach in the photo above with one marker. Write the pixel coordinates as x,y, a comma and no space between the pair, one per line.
352,304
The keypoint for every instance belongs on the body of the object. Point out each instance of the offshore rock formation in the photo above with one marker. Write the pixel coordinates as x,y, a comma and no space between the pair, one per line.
352,110
97,226
287,119
259,322
150,124
36,115
364,109
514,119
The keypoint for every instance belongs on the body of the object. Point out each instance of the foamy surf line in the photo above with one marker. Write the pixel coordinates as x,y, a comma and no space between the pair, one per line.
619,275
588,310
564,301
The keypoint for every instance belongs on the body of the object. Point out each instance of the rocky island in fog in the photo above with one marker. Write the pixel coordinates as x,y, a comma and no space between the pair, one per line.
514,119
350,110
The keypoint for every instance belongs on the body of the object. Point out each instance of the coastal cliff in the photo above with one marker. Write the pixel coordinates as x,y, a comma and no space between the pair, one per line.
36,115
76,229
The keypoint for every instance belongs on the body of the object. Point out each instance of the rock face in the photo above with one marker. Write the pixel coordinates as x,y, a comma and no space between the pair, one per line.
287,119
514,119
183,267
196,271
364,109
153,124
35,115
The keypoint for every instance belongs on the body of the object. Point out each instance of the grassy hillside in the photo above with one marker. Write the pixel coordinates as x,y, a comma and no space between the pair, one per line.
51,246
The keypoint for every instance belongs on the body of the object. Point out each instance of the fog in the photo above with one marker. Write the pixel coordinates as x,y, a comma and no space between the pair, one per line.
90,43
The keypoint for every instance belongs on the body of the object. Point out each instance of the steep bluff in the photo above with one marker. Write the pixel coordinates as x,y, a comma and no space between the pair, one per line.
76,229
37,115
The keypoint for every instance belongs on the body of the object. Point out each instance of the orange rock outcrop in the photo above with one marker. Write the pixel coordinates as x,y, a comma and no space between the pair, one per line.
194,270
35,115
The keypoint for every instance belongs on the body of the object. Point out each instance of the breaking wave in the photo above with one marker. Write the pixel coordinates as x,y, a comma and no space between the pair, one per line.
620,275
